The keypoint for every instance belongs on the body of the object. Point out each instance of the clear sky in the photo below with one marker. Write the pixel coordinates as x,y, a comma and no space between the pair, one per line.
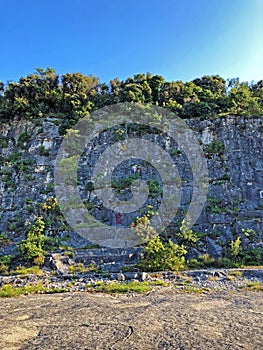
179,39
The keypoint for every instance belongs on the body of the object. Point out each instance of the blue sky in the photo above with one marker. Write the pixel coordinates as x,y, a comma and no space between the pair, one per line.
180,40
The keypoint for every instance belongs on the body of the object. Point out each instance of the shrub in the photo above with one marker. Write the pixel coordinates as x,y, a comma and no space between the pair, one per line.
39,260
22,139
51,204
154,188
3,239
159,256
5,262
5,259
186,235
235,273
251,256
216,205
235,247
92,246
52,243
207,261
4,269
175,151
216,147
123,182
143,229
250,234
43,152
32,247
3,141
78,268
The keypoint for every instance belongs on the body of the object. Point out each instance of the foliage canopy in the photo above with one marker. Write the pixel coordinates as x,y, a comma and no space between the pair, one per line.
73,95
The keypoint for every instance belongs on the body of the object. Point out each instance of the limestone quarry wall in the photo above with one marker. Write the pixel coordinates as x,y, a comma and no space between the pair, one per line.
233,146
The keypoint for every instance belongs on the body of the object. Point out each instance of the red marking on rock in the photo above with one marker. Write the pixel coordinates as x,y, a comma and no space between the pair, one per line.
118,219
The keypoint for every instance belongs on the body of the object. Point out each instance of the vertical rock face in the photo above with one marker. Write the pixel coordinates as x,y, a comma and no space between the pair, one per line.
234,150
235,161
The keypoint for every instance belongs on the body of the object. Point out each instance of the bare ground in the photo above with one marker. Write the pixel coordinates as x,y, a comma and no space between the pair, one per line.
161,319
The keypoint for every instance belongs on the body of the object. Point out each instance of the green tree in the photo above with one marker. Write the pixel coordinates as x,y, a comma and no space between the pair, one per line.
155,82
242,100
185,234
159,256
34,95
79,84
213,83
115,89
236,247
79,94
132,92
32,247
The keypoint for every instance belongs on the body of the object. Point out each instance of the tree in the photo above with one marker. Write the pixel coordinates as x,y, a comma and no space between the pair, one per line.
79,94
213,83
44,94
257,92
34,95
2,89
32,247
243,101
79,84
155,82
159,256
103,97
132,92
115,89
171,96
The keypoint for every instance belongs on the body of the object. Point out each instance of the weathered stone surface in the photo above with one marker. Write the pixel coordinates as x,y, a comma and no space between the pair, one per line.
213,249
160,320
120,277
236,178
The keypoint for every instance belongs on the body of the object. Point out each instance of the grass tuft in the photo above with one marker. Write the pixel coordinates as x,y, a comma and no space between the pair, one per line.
117,287
255,286
9,291
21,270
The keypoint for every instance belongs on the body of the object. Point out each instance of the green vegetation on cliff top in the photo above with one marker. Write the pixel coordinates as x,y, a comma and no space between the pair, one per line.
73,95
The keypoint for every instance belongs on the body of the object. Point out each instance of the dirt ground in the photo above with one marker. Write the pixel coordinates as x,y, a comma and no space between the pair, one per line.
161,319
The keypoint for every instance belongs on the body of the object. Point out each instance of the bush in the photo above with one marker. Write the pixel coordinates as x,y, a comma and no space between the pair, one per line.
159,256
32,247
251,256
5,262
216,147
43,151
3,141
78,268
3,239
207,261
235,247
22,139
143,229
186,235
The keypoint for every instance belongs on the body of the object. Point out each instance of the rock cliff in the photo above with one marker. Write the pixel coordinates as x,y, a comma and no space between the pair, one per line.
233,146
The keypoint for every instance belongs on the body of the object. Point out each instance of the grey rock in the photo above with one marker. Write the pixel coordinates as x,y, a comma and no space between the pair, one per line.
121,277
143,276
236,180
213,248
